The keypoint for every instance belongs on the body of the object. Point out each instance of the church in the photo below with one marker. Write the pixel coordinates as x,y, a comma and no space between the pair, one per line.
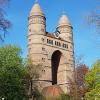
54,51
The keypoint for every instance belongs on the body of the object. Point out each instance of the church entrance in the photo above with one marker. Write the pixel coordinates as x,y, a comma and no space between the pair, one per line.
55,61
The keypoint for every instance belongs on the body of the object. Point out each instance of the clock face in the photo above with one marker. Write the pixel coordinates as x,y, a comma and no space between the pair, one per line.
57,33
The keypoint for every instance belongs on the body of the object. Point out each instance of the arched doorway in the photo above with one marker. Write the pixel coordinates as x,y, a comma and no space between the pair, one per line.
55,61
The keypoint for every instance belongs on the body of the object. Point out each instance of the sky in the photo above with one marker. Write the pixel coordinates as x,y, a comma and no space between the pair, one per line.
85,37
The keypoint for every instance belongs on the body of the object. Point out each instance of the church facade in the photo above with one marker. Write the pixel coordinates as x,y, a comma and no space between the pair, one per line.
54,51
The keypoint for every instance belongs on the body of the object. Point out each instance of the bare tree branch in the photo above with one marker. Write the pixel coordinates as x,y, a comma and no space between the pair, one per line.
94,19
5,24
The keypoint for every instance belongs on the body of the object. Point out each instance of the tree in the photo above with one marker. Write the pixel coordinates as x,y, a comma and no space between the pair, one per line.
93,82
5,24
12,74
94,19
81,71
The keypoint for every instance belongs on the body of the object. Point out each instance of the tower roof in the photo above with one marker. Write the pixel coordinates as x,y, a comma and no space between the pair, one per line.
36,10
64,21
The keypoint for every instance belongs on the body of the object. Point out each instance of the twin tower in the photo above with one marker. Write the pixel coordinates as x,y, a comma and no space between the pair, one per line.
54,51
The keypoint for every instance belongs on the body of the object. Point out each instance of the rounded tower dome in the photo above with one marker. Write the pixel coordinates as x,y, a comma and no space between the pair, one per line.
65,28
36,20
64,21
36,10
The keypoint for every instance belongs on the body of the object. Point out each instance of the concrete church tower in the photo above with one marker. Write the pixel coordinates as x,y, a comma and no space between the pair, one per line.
54,51
65,28
36,31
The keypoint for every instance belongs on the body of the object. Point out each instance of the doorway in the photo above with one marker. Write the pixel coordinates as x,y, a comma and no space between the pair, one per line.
55,61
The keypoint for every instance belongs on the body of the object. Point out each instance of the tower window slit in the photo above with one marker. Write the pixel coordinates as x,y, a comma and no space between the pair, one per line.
43,48
43,59
43,39
29,40
65,46
59,44
29,49
50,41
47,41
55,43
29,30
